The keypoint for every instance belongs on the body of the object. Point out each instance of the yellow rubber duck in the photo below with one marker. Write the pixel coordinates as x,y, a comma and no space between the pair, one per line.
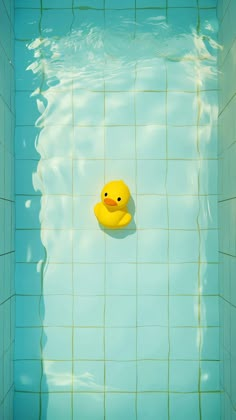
112,211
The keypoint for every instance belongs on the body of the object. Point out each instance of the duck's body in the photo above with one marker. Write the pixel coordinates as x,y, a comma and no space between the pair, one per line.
112,211
110,218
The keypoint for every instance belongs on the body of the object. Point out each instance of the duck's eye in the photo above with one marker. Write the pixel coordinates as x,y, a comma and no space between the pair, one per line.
118,199
106,194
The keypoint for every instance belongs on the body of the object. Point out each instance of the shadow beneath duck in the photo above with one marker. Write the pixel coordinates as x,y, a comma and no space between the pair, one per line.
122,233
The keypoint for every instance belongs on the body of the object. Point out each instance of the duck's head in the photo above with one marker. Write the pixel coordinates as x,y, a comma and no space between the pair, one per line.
115,195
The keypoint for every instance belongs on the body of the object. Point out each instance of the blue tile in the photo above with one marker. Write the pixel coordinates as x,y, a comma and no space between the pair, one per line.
59,4
26,405
57,376
182,108
151,406
120,143
151,75
184,406
56,405
121,376
28,4
27,343
25,79
146,19
27,212
151,142
210,376
121,279
27,311
120,406
183,279
182,177
183,212
57,343
152,246
27,375
208,216
121,169
89,246
24,173
210,311
152,343
184,343
98,4
152,310
56,22
123,79
86,144
89,406
120,344
151,176
184,376
209,108
210,406
210,348
182,3
55,106
208,141
120,248
114,317
84,217
183,22
183,311
182,143
88,108
209,279
27,108
88,176
27,24
53,313
28,279
57,279
184,246
119,108
209,246
181,76
25,138
54,241
55,176
89,311
123,4
89,279
152,376
151,212
150,108
89,376
61,144
88,343
152,279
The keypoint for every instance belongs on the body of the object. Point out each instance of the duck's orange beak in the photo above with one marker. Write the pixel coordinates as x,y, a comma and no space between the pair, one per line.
110,202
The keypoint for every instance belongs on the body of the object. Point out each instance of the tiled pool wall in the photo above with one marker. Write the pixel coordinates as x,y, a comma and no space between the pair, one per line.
7,227
227,205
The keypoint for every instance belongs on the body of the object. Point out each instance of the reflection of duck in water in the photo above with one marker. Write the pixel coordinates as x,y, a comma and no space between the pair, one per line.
112,211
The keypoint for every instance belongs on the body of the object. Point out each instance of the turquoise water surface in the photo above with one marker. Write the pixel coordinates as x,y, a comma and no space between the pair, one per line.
116,324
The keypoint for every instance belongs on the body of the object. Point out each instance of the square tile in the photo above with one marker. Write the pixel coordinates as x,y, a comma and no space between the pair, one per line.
54,176
57,376
183,311
152,246
27,212
89,405
88,108
89,279
182,177
210,344
183,279
56,22
89,376
186,405
59,4
184,376
88,176
151,177
151,142
152,343
209,246
57,343
210,404
56,405
57,279
152,279
210,376
27,343
28,279
150,108
121,169
121,279
182,142
119,108
182,108
152,376
89,343
209,279
184,343
151,212
88,142
83,212
27,24
152,311
25,139
121,376
26,405
120,142
56,140
152,406
56,212
121,248
27,375
27,311
120,311
151,75
54,244
24,177
210,311
57,310
123,4
183,246
183,212
120,344
122,79
120,406
89,311
88,246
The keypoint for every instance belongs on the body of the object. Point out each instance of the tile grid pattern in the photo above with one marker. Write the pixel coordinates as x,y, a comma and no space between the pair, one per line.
7,298
227,206
108,243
